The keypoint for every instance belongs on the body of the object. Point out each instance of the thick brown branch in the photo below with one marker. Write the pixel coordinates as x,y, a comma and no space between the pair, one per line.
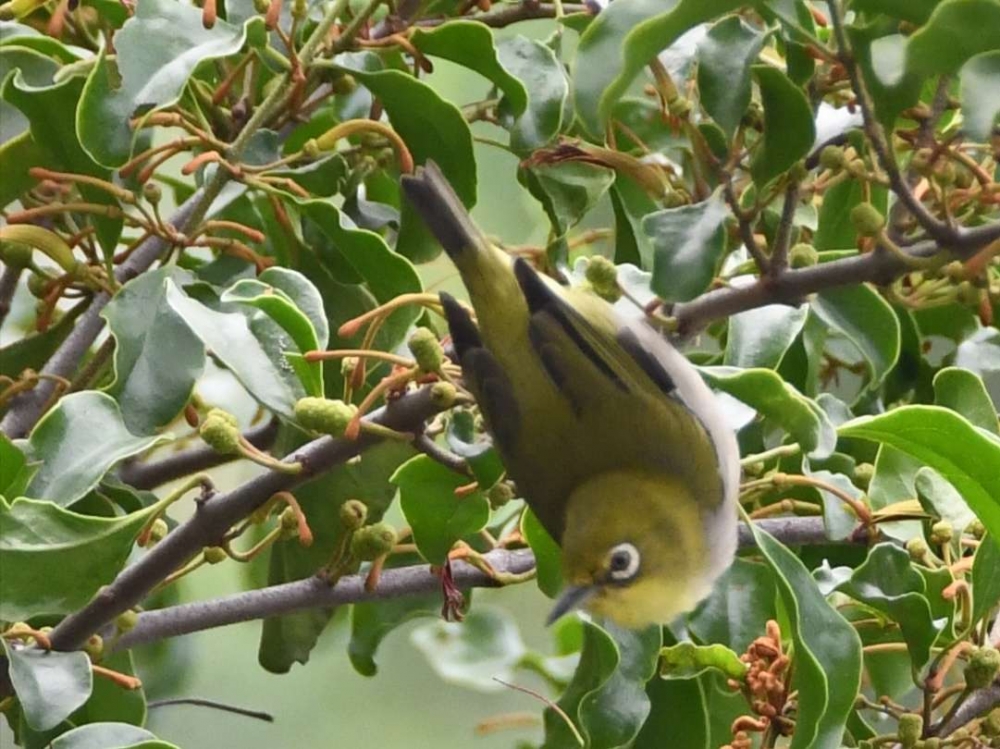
394,583
215,516
978,704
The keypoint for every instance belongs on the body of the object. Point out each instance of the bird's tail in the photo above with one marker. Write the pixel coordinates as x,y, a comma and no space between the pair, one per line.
434,199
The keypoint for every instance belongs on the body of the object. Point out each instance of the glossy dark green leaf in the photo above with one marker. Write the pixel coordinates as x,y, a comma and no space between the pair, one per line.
979,351
739,607
77,442
372,622
687,244
894,481
288,639
630,204
868,321
678,716
49,685
888,583
839,520
244,350
964,392
568,191
472,46
685,660
914,11
110,734
623,38
482,458
835,230
15,471
725,57
548,556
543,76
33,350
157,357
956,31
789,131
760,337
108,701
980,95
157,50
764,391
827,651
433,129
54,560
985,580
946,442
437,517
940,499
881,56
483,647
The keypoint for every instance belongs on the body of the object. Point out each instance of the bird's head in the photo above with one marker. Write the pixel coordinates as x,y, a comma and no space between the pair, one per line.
634,549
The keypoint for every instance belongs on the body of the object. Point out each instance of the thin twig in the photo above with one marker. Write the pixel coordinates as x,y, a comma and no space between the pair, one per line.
783,236
8,286
215,705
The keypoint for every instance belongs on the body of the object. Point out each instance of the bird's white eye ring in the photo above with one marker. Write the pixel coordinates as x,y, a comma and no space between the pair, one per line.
623,562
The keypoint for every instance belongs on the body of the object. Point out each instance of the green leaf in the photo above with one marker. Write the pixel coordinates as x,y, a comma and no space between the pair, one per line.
894,481
15,471
484,647
985,580
772,397
433,129
980,95
49,685
946,442
624,37
108,701
888,583
548,555
914,11
825,643
939,499
956,31
436,516
725,57
372,622
243,348
543,77
979,351
106,735
687,244
881,56
685,660
157,357
54,560
157,50
835,230
760,337
77,442
739,607
471,45
678,710
839,520
288,639
568,191
964,392
868,321
789,130
32,351
282,309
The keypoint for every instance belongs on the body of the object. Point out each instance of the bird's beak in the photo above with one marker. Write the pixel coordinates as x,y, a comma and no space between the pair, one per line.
572,598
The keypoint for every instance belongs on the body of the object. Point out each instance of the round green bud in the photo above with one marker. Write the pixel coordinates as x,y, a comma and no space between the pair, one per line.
126,621
976,529
158,530
344,84
310,149
942,532
261,6
863,474
219,431
945,173
910,727
955,270
214,554
832,158
152,192
16,254
603,277
353,514
917,548
672,199
867,219
968,294
798,171
963,177
679,107
426,350
94,647
931,743
857,169
444,394
500,494
372,541
347,366
38,285
991,723
802,255
289,520
324,415
921,161
982,668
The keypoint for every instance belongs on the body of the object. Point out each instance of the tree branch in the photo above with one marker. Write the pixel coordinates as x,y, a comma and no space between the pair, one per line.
977,705
526,10
214,517
393,583
8,286
143,475
793,286
27,408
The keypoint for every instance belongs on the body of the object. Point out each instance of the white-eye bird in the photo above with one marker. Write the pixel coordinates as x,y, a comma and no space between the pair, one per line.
609,433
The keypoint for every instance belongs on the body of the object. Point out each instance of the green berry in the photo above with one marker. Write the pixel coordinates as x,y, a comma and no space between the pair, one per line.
802,255
94,647
982,668
921,161
500,494
426,350
863,474
832,158
372,541
603,277
444,394
214,554
942,532
976,529
867,219
324,415
152,192
220,432
911,726
353,514
917,548
344,84
16,254
679,107
126,621
158,530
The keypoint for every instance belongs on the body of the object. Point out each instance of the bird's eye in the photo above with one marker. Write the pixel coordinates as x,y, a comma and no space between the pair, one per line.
623,562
